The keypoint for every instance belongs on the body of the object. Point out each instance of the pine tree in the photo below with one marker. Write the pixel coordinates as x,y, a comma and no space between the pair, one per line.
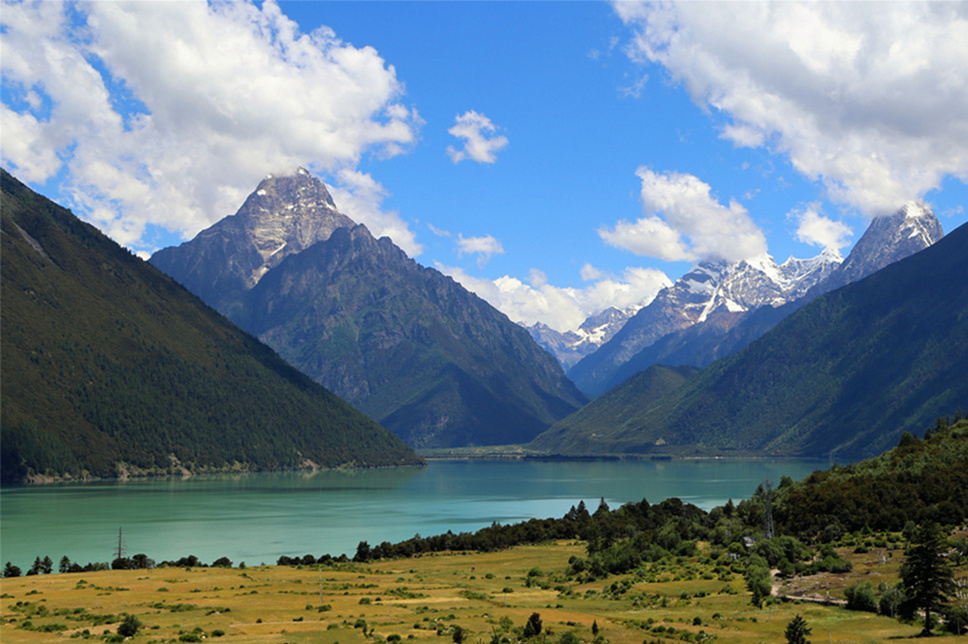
925,575
533,627
797,631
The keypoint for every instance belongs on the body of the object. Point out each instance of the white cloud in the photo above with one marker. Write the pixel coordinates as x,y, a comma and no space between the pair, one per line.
867,98
481,143
813,228
170,113
562,308
484,247
695,225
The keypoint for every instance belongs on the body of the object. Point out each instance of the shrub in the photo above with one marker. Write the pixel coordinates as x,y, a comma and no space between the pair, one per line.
129,626
861,597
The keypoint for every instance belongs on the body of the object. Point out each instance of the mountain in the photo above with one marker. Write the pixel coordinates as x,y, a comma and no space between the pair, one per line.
758,294
718,293
407,345
887,239
111,368
571,346
842,377
285,215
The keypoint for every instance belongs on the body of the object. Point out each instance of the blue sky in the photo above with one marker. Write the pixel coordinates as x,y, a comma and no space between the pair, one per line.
555,157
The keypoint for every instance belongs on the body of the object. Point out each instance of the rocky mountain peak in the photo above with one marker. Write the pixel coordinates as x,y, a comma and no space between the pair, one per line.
887,239
286,214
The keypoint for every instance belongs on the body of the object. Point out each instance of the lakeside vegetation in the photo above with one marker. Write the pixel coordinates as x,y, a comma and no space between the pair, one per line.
639,573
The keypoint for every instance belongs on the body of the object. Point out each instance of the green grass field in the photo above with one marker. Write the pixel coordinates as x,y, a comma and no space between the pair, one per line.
425,598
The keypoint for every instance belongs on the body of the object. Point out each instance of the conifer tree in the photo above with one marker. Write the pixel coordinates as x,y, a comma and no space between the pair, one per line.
797,631
925,575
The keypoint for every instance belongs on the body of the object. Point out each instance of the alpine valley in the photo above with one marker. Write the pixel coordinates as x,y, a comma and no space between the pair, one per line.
717,308
407,345
112,369
843,376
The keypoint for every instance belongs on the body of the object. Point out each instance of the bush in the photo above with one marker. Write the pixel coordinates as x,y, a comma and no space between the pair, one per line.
890,602
861,597
129,626
569,638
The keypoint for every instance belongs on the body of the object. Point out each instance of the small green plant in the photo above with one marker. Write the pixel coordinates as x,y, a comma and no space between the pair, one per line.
129,626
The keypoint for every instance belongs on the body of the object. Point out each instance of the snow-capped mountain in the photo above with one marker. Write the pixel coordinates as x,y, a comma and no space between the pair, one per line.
720,294
719,291
571,346
887,240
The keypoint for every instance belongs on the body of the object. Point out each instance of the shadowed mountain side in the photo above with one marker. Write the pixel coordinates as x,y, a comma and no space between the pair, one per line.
409,346
111,368
842,377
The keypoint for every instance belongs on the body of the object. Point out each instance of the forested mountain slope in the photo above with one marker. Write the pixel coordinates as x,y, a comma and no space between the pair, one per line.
110,367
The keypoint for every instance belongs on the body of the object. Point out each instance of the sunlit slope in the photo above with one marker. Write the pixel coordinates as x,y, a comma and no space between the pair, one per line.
842,377
109,366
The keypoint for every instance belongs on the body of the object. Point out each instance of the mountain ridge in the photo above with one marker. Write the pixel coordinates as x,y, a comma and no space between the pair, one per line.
709,291
409,346
729,320
111,368
843,376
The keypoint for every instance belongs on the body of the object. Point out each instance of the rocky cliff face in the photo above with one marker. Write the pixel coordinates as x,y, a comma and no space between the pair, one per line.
285,215
887,240
410,347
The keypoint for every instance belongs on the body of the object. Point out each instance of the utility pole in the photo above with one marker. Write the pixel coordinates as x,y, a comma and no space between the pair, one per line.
120,552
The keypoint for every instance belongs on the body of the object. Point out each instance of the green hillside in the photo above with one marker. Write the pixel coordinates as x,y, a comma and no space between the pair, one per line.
611,409
843,377
919,481
111,367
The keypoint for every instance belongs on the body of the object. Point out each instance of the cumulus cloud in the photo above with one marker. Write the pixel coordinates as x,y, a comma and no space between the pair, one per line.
815,229
168,114
867,98
683,221
562,308
481,141
484,247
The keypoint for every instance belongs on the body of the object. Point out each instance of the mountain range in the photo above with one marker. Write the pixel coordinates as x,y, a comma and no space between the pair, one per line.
718,307
110,369
842,376
407,345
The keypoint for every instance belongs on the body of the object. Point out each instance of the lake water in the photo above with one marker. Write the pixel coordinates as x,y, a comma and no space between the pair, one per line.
258,517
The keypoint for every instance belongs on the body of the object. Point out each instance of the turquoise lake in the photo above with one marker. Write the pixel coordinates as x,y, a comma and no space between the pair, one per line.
255,518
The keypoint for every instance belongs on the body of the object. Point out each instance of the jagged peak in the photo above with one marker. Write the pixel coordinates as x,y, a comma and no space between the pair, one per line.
916,210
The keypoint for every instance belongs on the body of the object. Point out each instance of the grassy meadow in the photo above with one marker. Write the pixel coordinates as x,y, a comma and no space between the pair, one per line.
489,596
